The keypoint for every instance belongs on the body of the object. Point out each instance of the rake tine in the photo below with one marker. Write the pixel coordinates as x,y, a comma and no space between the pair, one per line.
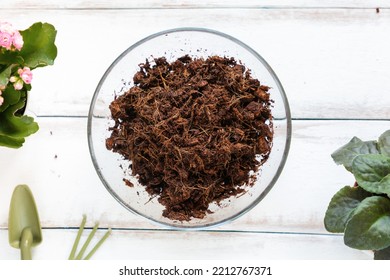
77,240
97,246
81,253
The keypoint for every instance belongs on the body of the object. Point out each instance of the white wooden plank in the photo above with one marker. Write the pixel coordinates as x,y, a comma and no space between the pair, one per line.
154,245
147,4
55,163
333,63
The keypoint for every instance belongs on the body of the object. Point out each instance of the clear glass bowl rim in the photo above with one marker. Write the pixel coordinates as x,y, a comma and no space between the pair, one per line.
288,128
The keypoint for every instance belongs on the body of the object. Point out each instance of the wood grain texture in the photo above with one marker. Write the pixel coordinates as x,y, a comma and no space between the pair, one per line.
332,63
331,56
170,245
194,4
55,163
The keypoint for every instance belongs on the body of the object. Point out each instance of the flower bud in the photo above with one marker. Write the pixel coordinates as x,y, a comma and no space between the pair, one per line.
25,74
18,85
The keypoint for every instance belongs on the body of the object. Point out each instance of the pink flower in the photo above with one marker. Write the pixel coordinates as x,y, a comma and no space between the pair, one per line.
18,85
25,74
17,41
10,36
18,82
5,40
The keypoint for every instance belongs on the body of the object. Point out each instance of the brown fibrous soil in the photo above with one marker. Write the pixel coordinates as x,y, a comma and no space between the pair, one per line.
194,130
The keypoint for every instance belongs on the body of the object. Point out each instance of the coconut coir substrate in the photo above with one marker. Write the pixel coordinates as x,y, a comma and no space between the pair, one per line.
193,130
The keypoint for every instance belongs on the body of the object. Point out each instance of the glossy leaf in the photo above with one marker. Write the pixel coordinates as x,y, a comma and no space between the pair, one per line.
10,57
384,143
347,153
14,129
369,226
11,142
39,48
5,75
372,173
11,97
341,207
383,254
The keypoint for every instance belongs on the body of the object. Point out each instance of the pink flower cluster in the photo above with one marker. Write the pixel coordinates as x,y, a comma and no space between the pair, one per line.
10,37
25,76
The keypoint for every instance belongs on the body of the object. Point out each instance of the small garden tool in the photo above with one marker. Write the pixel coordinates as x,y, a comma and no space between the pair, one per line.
24,228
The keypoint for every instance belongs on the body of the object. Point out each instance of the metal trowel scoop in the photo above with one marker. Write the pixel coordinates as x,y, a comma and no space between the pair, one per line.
24,228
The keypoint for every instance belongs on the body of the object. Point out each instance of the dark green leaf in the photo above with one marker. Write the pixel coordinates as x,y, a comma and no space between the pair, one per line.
11,142
383,254
372,173
39,48
11,97
13,128
384,143
5,75
346,154
369,226
27,87
10,57
341,207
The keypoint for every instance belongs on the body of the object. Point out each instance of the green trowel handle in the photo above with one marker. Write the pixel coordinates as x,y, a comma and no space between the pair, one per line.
25,244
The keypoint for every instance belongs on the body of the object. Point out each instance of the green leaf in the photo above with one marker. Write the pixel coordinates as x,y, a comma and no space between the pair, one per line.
341,207
383,254
10,57
11,97
5,75
369,227
384,143
346,154
39,48
13,129
372,173
11,142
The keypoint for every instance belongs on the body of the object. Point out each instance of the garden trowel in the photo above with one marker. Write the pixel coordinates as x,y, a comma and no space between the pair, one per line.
24,228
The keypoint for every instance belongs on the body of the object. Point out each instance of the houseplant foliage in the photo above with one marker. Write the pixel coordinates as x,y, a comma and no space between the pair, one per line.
20,53
362,211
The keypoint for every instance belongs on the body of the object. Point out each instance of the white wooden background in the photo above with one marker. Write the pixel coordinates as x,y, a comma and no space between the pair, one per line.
332,58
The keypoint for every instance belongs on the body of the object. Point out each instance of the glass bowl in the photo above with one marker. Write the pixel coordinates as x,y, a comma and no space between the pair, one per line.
175,43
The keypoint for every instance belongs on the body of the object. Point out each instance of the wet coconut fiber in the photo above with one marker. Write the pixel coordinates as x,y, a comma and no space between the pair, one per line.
193,129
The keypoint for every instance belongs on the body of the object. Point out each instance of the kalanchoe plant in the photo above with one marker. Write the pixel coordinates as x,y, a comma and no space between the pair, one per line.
362,212
20,53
